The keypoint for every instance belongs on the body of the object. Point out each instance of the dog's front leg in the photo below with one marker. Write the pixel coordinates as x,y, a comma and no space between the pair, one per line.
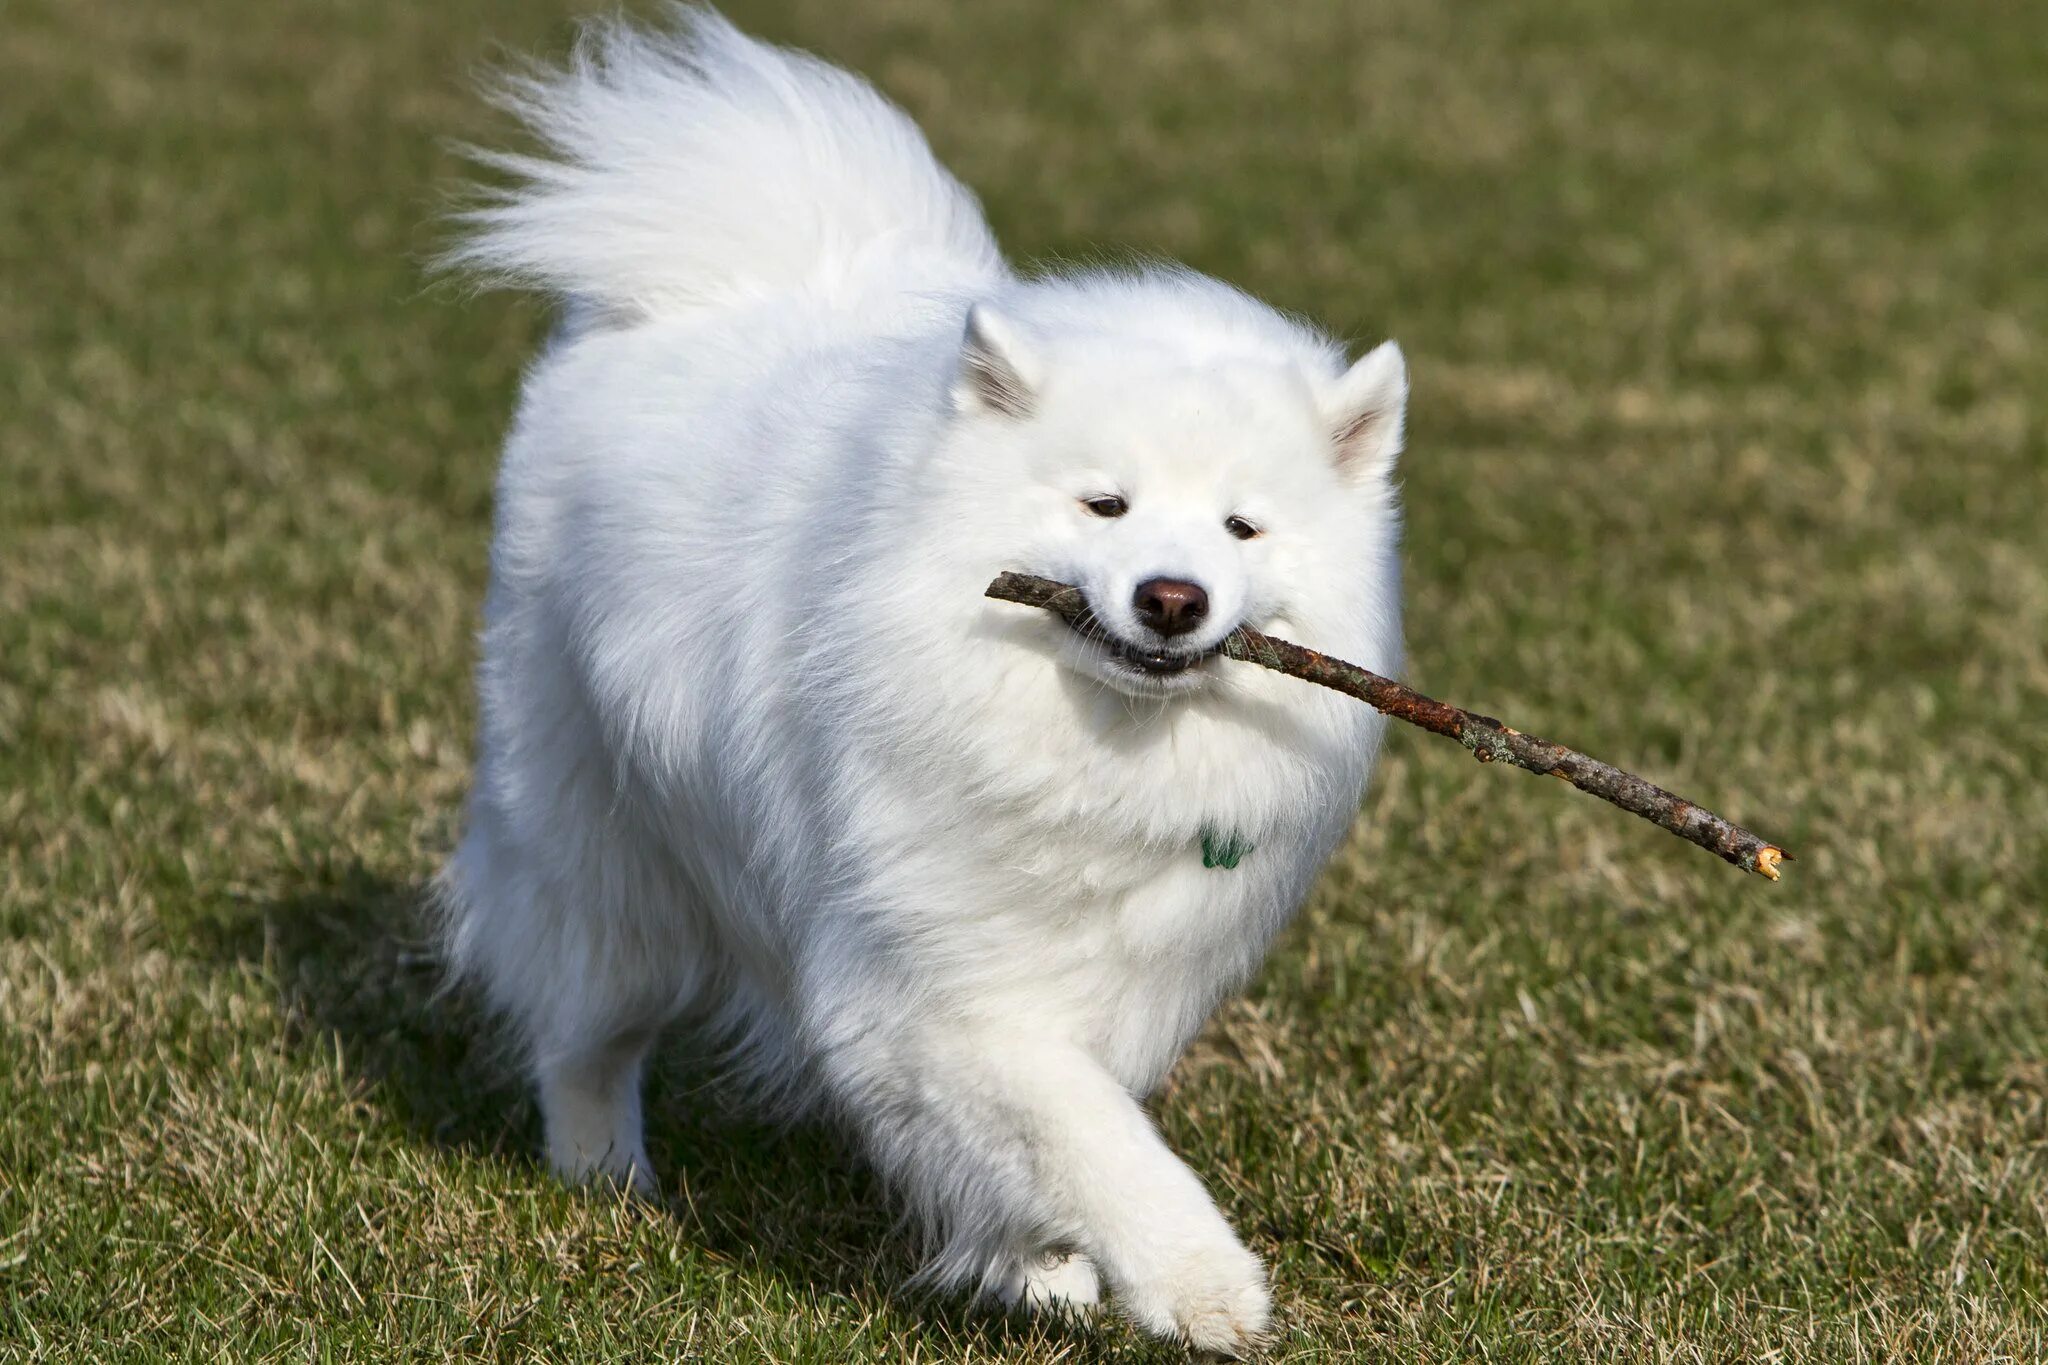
1012,1150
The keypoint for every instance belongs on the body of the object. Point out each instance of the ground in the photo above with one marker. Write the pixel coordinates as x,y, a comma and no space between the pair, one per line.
1726,323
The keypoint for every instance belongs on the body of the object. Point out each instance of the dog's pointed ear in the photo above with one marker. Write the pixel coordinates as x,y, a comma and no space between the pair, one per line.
1367,410
998,373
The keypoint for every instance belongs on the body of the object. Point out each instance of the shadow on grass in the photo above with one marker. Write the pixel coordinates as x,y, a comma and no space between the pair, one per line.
353,965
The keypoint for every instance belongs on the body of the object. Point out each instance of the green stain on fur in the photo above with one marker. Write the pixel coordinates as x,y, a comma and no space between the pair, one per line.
1222,850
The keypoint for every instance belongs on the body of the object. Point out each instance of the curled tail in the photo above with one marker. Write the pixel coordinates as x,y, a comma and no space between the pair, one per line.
696,167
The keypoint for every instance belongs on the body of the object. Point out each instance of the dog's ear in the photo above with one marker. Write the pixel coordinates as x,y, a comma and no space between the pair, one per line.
998,374
1367,411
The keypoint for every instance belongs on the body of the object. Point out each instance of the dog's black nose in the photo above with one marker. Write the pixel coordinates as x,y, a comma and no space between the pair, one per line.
1171,606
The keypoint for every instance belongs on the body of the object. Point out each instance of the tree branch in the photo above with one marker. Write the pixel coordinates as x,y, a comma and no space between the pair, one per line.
1486,738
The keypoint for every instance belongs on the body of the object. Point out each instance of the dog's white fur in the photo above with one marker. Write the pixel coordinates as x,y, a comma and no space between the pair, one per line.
755,750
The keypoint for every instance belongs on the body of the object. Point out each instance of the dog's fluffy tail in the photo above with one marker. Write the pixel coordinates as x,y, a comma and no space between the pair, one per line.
696,167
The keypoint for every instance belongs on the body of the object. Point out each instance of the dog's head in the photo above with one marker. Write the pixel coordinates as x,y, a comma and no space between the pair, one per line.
1211,466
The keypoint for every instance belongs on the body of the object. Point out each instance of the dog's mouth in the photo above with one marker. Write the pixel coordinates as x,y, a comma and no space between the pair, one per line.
1148,660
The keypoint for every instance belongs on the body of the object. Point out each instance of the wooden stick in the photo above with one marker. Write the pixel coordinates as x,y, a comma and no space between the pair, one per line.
1486,738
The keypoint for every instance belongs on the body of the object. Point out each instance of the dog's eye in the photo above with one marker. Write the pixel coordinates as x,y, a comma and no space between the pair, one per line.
1240,528
1108,505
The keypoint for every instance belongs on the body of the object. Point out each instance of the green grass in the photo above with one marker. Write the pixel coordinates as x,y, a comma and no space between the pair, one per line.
1726,322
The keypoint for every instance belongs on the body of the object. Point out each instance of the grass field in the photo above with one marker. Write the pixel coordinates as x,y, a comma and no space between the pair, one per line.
1729,464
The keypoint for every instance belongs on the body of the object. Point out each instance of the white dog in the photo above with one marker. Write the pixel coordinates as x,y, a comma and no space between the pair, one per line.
757,753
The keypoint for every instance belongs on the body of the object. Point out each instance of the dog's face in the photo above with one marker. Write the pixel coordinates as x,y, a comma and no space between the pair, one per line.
1183,500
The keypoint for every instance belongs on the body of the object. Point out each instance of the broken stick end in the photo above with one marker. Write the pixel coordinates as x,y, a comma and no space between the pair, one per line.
1768,858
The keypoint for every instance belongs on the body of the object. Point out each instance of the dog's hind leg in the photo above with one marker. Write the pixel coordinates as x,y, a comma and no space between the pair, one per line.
590,1106
589,990
589,1031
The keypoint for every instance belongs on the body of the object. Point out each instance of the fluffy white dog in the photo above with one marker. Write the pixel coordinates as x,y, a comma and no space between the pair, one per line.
757,753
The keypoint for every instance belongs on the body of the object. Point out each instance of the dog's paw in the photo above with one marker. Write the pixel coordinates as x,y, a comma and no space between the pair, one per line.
1216,1300
1062,1282
1230,1322
629,1172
